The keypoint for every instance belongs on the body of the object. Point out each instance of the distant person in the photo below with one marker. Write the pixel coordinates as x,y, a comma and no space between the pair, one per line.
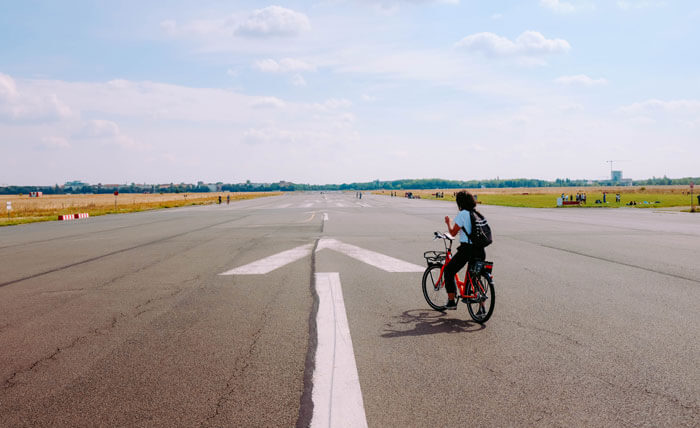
604,201
228,199
219,199
466,251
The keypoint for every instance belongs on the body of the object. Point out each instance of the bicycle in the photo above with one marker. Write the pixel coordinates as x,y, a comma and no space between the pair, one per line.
476,290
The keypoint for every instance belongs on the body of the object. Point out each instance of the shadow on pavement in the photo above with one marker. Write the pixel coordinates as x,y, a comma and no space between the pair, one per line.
417,322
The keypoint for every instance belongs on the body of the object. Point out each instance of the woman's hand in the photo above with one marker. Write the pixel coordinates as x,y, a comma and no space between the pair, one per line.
447,221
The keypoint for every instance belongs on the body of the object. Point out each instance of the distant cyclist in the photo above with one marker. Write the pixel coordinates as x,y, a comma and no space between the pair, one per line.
466,251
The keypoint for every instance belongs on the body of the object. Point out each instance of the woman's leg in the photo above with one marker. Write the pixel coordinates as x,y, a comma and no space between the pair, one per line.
458,261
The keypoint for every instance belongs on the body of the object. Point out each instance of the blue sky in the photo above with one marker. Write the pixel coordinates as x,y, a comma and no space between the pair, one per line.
347,90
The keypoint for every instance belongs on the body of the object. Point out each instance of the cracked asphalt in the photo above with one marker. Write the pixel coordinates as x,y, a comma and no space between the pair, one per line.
124,321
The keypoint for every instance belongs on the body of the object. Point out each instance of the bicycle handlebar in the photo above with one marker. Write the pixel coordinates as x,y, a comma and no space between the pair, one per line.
446,236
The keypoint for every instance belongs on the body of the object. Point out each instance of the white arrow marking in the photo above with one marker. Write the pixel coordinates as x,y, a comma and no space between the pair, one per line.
336,392
268,264
375,259
325,216
276,261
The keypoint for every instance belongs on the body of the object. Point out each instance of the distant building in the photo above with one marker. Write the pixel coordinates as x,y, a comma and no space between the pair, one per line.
214,187
617,179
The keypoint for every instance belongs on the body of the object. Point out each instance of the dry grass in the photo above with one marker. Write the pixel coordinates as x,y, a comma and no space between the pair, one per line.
49,207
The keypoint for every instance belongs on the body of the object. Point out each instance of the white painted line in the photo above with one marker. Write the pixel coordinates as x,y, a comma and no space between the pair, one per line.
340,205
276,261
325,216
284,206
375,259
307,205
336,390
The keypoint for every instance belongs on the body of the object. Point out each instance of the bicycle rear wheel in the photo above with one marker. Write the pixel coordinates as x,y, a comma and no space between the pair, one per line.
481,309
434,291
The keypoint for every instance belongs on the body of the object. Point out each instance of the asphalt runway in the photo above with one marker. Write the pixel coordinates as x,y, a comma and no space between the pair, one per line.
126,320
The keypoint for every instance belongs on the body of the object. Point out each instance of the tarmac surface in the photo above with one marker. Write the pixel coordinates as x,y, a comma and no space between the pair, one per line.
125,320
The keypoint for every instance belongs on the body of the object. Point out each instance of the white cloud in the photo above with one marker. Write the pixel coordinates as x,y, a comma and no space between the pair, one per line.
119,83
571,107
274,135
391,7
169,26
691,107
55,143
638,4
267,102
558,6
18,106
172,119
107,132
497,16
580,79
529,43
368,98
8,88
99,129
673,113
334,104
298,80
273,21
285,65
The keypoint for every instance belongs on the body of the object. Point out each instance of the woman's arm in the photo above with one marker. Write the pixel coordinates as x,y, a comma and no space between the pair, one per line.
454,230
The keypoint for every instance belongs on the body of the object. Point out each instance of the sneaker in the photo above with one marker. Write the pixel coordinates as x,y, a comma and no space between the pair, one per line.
451,305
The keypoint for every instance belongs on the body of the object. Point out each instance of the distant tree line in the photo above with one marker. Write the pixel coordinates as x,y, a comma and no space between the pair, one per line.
284,186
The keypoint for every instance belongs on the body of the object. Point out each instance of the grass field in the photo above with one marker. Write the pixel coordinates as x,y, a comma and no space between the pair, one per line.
49,207
546,197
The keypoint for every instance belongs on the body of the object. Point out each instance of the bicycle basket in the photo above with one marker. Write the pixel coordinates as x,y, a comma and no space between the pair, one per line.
434,257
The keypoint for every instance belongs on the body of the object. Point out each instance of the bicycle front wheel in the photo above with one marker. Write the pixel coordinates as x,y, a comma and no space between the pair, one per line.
481,308
434,288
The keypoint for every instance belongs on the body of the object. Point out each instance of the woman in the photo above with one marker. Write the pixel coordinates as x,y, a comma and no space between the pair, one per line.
466,251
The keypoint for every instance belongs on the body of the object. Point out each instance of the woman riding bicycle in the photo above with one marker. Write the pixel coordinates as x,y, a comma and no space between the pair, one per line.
466,251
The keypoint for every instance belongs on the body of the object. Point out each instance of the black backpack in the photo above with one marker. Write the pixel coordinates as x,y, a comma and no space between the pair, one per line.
481,231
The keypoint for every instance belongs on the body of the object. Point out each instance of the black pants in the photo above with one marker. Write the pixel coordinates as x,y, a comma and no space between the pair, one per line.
465,253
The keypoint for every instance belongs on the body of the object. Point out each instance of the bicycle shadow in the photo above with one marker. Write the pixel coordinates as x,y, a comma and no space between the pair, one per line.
421,322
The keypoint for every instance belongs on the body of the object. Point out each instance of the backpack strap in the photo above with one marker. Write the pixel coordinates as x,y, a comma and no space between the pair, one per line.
472,221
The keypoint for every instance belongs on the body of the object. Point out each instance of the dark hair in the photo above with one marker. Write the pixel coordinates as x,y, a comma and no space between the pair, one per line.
465,201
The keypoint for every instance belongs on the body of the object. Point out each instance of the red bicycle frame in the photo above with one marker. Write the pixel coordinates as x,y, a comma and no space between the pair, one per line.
462,285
